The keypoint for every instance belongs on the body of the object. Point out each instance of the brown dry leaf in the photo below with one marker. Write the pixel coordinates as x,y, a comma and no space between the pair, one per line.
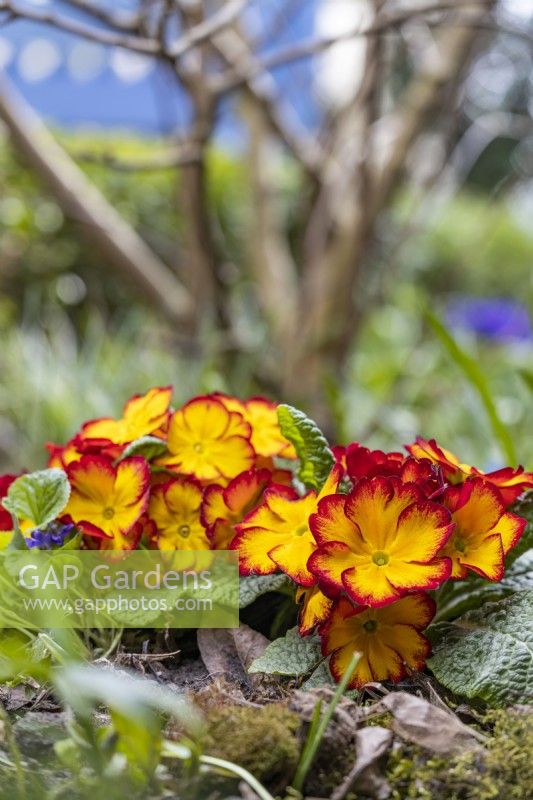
423,724
229,653
372,744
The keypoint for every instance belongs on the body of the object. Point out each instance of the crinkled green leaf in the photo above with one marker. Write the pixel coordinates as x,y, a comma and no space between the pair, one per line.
524,508
290,655
316,458
488,653
458,598
320,677
39,496
253,586
147,446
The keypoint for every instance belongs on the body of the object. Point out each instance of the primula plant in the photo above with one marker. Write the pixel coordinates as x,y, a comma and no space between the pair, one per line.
369,541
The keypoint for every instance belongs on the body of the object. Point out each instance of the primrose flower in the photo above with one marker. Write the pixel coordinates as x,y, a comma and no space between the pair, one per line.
511,483
389,639
62,455
484,531
314,610
262,416
6,523
364,463
223,508
380,541
208,442
143,415
107,500
276,535
175,509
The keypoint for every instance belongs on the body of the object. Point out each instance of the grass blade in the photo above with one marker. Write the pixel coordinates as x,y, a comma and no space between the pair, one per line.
477,380
318,727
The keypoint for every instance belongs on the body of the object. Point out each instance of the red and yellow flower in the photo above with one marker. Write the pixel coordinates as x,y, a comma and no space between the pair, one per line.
208,442
380,541
315,608
364,463
276,535
6,523
511,483
143,415
484,531
175,509
107,501
262,416
389,639
223,508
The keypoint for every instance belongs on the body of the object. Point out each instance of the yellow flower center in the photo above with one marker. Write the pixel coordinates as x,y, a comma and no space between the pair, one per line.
184,530
198,447
301,530
380,558
370,625
459,544
109,513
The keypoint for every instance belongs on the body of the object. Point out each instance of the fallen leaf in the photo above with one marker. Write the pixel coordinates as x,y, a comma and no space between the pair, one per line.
423,724
372,743
229,652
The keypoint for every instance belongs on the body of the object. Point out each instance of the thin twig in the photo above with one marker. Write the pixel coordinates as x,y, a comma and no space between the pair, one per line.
312,47
122,20
136,43
207,29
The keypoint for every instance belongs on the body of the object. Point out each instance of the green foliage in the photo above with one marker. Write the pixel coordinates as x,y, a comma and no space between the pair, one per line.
477,379
147,446
290,655
456,598
263,740
62,382
253,586
503,770
319,723
465,245
39,497
487,653
316,458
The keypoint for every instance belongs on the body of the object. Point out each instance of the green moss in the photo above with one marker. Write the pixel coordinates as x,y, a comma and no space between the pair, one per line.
503,771
262,740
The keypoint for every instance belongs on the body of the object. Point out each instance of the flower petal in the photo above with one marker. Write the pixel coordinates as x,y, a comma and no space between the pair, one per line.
375,505
329,562
330,523
254,545
422,530
292,557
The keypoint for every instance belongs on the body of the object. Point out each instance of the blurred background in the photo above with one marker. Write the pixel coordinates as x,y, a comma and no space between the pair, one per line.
325,201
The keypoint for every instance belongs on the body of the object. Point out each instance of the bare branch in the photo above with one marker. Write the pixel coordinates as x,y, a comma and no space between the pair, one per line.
122,247
149,46
207,29
312,47
122,20
271,261
233,49
136,43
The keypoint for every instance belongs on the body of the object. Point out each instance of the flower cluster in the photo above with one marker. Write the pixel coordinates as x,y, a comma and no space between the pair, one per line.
363,550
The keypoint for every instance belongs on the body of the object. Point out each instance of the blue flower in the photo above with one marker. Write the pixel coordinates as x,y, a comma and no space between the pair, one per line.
53,535
498,318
